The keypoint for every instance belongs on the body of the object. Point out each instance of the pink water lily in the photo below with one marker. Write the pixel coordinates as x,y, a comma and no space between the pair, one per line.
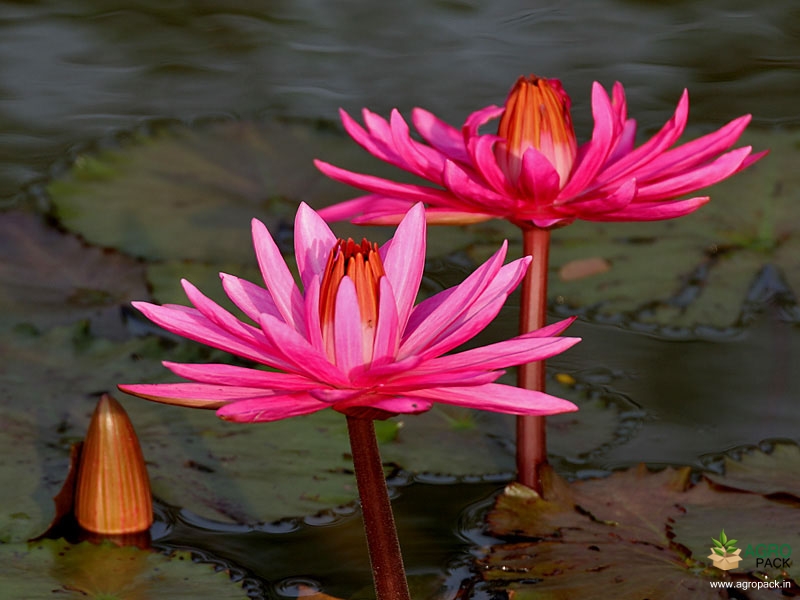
352,338
532,170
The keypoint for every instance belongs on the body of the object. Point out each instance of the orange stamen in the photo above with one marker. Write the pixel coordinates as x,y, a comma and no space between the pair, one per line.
363,265
537,115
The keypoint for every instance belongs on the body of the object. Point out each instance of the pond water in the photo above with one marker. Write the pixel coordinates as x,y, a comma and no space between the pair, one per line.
74,75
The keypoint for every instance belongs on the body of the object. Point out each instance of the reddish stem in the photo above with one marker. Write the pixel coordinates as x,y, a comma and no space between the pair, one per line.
388,572
531,434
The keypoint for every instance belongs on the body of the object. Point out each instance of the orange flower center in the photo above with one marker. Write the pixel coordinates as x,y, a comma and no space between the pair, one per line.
363,265
537,115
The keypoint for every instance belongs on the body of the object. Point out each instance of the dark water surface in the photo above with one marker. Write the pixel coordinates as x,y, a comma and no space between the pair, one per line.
74,72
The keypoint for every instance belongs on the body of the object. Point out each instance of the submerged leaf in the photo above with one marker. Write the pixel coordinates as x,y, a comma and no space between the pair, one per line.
108,572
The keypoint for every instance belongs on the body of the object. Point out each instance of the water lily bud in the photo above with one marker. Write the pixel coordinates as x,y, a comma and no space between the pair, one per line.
113,490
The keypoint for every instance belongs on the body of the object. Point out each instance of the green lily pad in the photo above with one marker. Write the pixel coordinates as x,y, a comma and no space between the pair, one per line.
189,194
26,506
165,280
107,572
219,470
48,278
712,268
634,534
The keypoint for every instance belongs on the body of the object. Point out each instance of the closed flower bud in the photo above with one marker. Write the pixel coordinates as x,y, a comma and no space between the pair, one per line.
113,490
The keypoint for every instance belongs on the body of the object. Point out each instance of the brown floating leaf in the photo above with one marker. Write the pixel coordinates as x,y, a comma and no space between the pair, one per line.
113,490
605,534
49,278
583,267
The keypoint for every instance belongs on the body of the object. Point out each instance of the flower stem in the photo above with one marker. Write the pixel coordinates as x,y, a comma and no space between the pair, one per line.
531,434
388,572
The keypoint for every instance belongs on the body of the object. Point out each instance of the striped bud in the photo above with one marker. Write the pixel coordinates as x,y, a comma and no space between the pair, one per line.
113,491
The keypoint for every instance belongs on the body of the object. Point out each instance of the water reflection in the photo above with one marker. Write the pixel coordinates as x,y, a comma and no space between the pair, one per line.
70,72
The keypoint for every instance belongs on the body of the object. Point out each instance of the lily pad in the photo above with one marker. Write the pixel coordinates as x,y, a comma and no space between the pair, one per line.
713,268
776,472
107,572
753,520
189,194
49,278
634,534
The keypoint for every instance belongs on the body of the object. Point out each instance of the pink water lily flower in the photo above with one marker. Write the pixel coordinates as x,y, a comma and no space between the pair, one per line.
532,170
352,338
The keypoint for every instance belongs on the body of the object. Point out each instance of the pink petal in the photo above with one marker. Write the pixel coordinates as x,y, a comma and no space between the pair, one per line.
419,159
444,216
299,354
538,179
404,261
388,330
509,353
402,405
497,397
412,381
274,408
377,185
473,193
438,312
652,148
191,395
221,317
696,152
479,310
313,242
479,118
364,205
445,138
372,141
485,163
348,341
709,174
278,278
189,323
312,315
624,145
252,300
598,148
604,203
651,211
231,375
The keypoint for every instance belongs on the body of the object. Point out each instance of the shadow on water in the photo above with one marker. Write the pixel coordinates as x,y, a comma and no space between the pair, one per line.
440,528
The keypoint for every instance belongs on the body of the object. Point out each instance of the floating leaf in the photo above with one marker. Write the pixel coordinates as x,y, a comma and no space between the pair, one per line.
755,519
49,278
191,193
616,534
108,572
776,472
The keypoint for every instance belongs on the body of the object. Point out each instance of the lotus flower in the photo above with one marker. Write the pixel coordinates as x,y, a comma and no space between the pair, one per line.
352,340
532,171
